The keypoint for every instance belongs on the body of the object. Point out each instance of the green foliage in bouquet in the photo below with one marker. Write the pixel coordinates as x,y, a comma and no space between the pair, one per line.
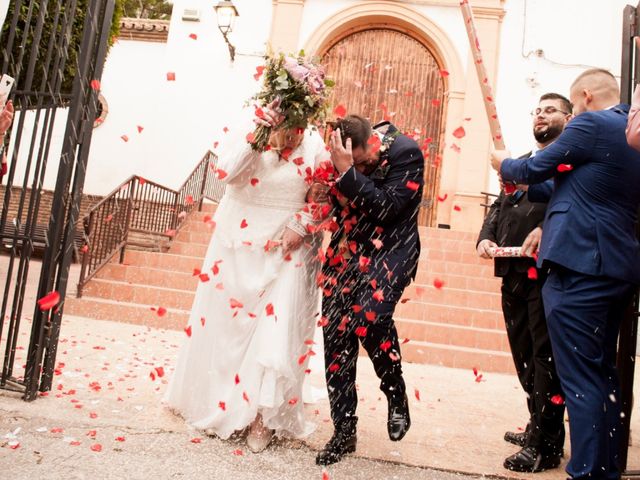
300,87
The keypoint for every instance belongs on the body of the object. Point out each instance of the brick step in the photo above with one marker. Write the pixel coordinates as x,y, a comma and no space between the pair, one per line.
197,238
415,351
180,247
134,275
476,284
451,315
458,357
164,261
443,233
102,309
482,270
180,289
456,335
416,309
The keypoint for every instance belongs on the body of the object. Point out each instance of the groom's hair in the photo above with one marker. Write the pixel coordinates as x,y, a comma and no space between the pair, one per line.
355,127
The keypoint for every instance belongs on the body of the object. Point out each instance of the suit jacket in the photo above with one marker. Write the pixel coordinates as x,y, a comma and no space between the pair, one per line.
590,224
380,221
510,219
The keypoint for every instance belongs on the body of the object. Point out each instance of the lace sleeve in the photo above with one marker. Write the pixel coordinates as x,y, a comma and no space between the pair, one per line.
304,220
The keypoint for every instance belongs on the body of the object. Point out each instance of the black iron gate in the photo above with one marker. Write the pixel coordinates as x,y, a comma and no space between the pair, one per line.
55,50
629,329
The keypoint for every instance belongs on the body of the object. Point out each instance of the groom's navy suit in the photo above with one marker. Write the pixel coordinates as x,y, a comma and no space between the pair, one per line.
590,246
371,259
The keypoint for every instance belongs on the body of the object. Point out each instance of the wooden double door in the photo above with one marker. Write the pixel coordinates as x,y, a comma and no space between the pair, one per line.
382,73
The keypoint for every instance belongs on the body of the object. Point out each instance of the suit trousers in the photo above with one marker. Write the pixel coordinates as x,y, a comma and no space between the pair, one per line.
584,314
532,355
352,316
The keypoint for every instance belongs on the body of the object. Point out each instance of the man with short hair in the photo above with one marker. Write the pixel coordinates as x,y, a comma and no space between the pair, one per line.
515,220
371,259
590,248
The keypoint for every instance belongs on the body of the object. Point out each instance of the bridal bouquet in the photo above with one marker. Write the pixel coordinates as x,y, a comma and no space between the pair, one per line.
300,87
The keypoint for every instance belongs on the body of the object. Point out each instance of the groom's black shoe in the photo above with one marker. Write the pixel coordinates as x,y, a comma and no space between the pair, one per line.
343,441
398,421
531,459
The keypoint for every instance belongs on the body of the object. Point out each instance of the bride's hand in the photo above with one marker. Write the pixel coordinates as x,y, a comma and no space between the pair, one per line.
291,241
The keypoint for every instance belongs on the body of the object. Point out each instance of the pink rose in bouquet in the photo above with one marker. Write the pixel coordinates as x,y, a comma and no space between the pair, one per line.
298,72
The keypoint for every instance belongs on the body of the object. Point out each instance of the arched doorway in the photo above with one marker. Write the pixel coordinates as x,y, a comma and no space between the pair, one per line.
383,73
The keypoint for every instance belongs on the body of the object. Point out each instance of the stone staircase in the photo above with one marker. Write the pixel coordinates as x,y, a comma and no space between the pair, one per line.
459,325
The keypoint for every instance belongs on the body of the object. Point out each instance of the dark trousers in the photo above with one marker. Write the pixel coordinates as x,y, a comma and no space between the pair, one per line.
349,315
532,355
584,314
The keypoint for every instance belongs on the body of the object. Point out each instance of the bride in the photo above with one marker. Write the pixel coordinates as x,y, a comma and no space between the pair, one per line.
252,323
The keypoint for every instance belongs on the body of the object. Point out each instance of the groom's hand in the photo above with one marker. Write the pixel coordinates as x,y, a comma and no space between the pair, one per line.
341,156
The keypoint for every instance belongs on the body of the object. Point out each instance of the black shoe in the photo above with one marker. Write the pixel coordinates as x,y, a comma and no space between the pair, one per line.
530,459
398,421
343,441
519,438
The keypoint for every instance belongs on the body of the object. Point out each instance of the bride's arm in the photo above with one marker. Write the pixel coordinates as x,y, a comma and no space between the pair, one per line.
310,215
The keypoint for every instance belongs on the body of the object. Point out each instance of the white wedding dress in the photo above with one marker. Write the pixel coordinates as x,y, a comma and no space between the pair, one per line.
253,322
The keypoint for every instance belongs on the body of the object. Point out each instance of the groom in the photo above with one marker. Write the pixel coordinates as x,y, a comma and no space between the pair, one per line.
372,257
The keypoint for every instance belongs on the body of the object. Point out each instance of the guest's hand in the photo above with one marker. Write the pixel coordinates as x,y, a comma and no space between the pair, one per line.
531,243
271,116
291,241
497,156
522,187
483,248
342,157
318,193
6,118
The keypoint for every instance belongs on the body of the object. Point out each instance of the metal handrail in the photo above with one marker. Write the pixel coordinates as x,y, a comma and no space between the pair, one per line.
486,203
140,205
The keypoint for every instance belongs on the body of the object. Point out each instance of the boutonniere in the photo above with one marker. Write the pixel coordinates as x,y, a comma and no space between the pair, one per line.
381,170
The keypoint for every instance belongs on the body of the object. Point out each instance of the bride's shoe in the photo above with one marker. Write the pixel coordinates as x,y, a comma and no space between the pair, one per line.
259,436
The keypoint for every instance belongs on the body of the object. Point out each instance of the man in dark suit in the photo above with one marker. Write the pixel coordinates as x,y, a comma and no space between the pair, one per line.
372,257
591,251
516,220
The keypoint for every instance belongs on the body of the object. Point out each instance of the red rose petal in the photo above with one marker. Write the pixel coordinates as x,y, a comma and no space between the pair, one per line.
196,440
269,309
171,77
140,129
96,447
222,406
244,223
49,301
95,85
187,330
417,394
124,138
444,73
443,197
370,316
557,400
237,379
161,311
413,185
193,36
457,208
340,111
361,331
565,167
532,273
438,283
459,132
254,182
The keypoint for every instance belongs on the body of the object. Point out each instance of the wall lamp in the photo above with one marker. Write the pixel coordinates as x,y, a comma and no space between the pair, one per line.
227,13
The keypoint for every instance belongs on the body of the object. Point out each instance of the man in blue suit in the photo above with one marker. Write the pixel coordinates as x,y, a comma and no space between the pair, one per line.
372,257
591,251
